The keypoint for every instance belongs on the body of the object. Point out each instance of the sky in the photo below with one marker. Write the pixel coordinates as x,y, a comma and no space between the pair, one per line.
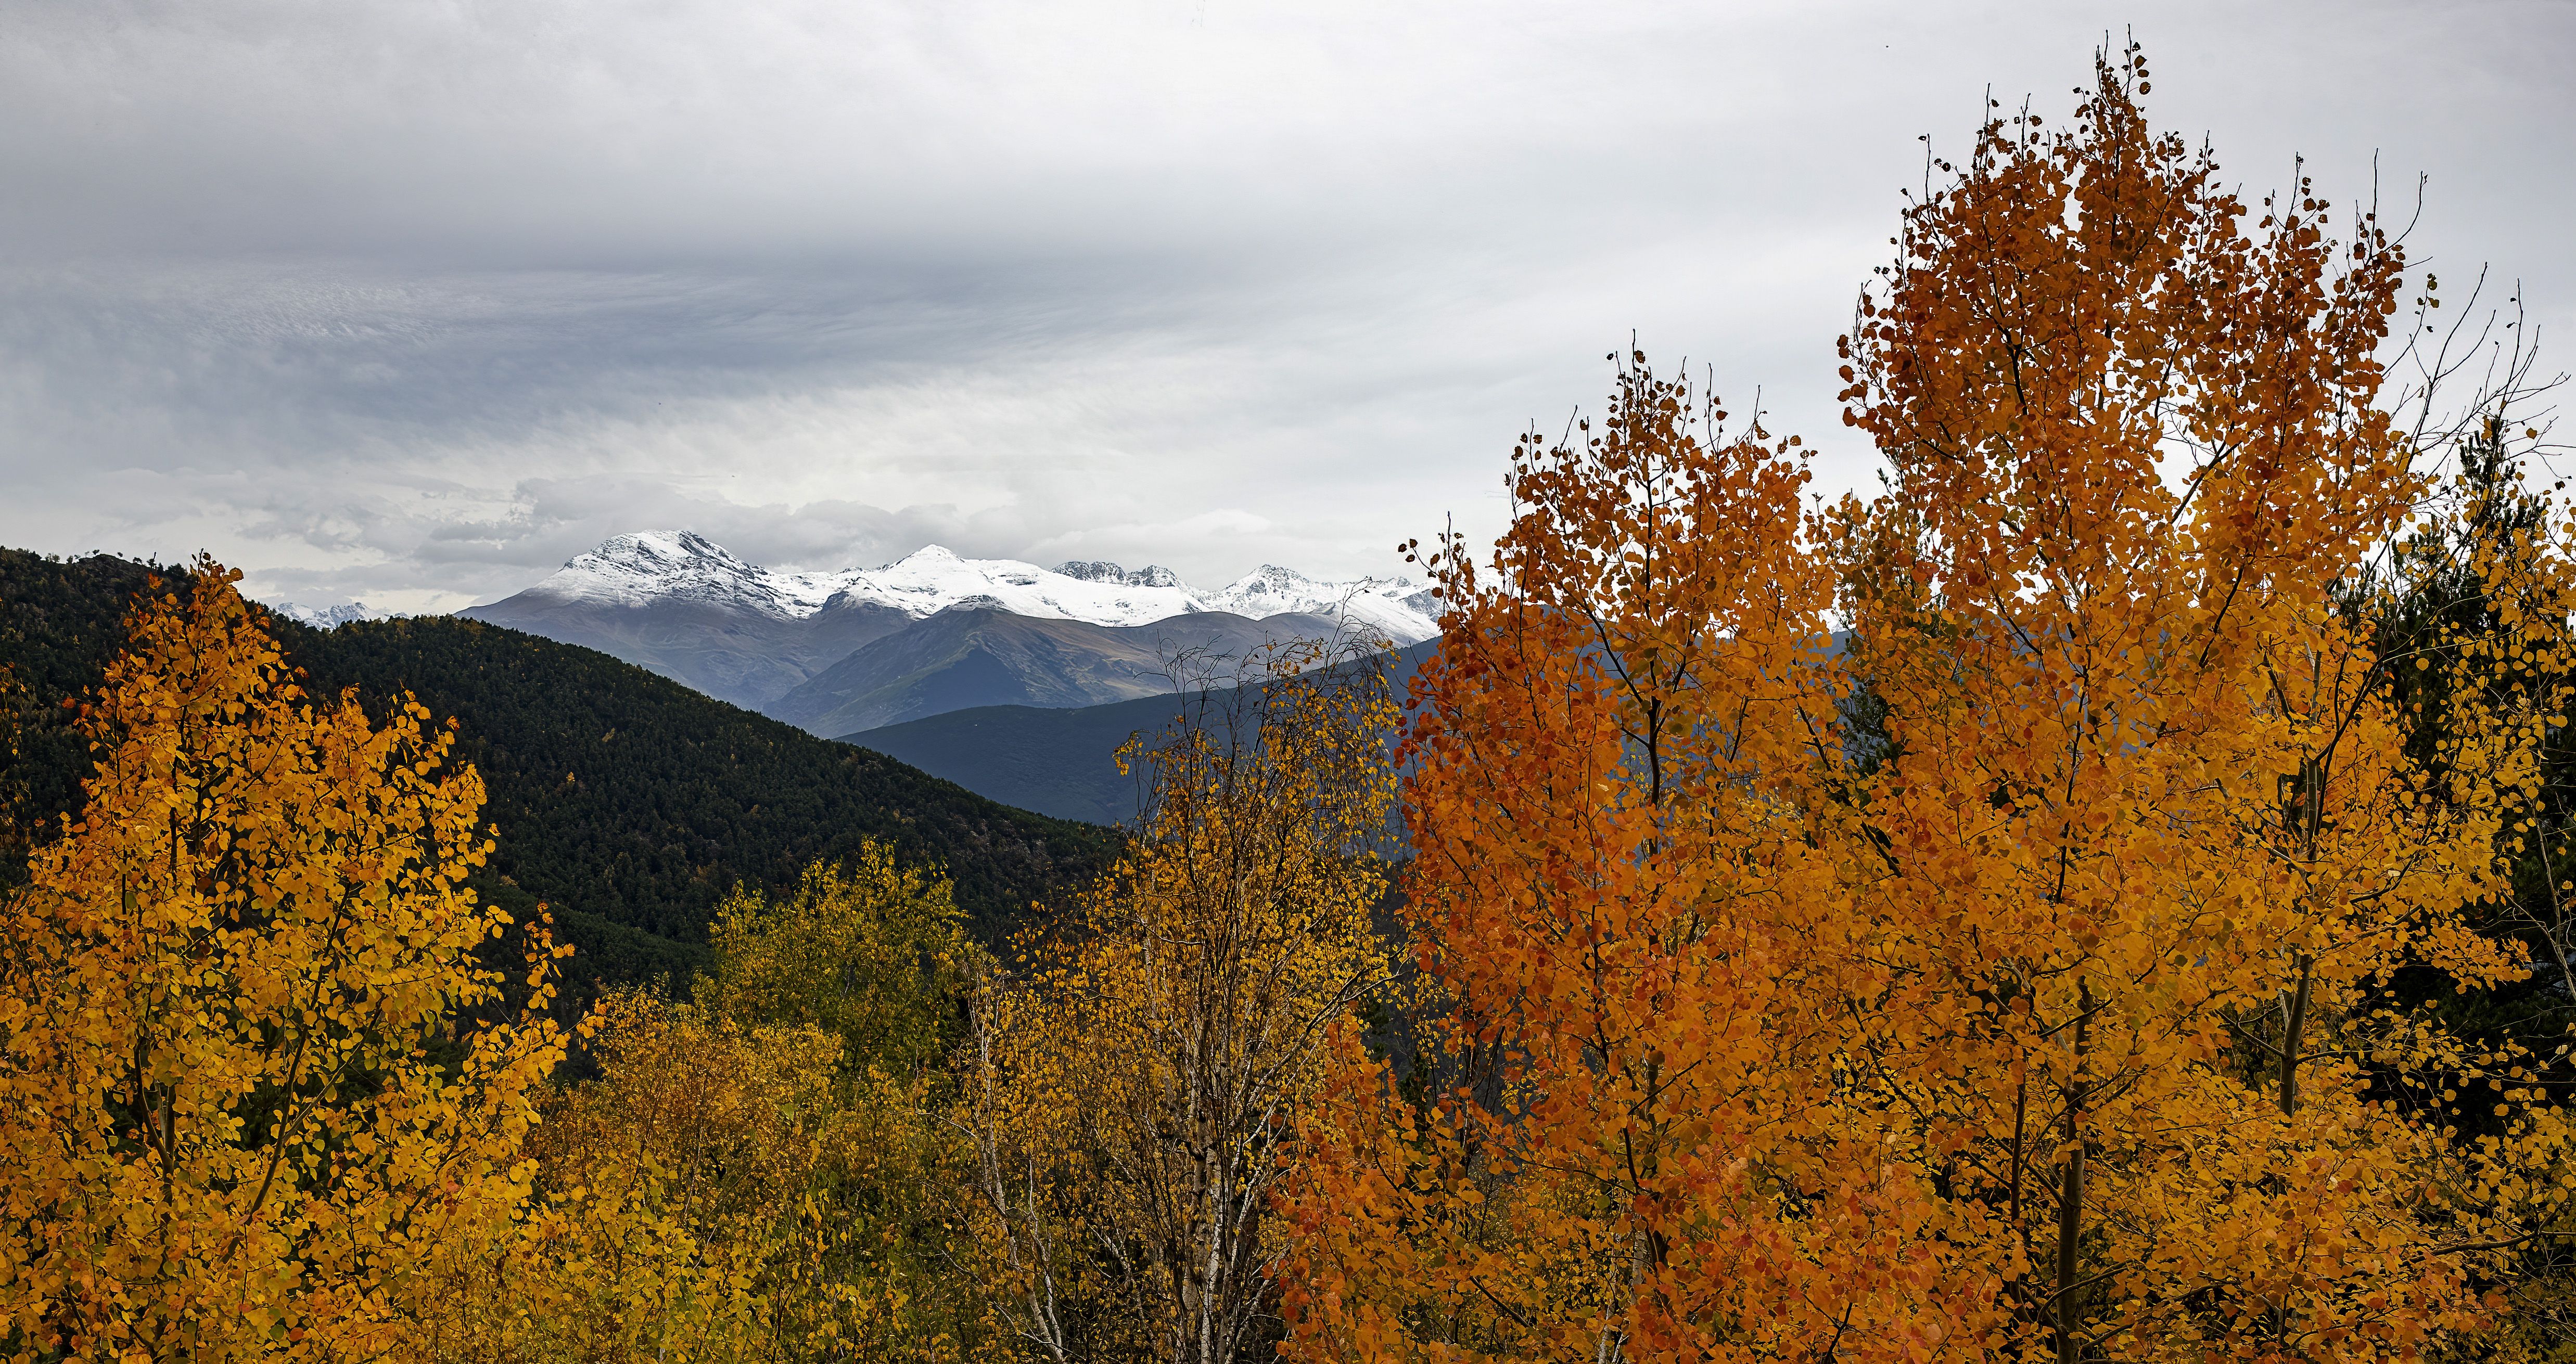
407,303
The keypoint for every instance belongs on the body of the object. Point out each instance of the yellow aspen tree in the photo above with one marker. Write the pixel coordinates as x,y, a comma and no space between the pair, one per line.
760,1172
688,1171
238,1114
870,952
657,1211
1135,1091
874,956
1063,1286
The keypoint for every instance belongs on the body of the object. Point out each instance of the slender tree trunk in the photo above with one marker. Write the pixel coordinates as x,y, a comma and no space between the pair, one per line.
2294,1036
2312,809
2070,1199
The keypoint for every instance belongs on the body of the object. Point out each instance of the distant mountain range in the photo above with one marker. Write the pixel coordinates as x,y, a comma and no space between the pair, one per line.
323,617
628,803
929,633
1055,761
979,656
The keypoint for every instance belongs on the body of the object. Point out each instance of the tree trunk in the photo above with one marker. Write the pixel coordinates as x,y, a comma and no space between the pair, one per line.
2293,1037
2070,1198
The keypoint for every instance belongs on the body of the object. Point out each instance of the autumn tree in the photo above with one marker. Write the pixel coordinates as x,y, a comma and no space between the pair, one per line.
757,1172
670,1221
1643,1137
238,1111
870,952
2153,838
1133,1088
875,957
2477,599
2045,1013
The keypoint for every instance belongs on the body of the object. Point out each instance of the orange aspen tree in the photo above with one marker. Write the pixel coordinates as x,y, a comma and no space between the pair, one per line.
1133,1096
2150,837
2004,984
1625,883
237,1116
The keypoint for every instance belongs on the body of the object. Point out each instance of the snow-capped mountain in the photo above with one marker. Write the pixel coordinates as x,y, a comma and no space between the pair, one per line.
677,566
683,606
322,617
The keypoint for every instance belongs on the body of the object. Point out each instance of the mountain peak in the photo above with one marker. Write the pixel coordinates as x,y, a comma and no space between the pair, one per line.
646,567
323,617
1103,571
659,548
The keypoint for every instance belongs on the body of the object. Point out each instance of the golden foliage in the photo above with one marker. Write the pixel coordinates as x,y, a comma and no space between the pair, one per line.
870,953
1987,922
670,1212
2006,982
875,957
1131,1095
745,1179
239,1115
255,1105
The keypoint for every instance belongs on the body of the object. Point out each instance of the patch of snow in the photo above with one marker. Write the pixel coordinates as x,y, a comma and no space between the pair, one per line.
657,566
323,617
1393,607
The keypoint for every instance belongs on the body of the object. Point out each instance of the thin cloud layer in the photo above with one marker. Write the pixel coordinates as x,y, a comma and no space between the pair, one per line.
410,303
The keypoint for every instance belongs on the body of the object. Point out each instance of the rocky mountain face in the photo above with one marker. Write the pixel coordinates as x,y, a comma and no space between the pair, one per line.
980,656
931,632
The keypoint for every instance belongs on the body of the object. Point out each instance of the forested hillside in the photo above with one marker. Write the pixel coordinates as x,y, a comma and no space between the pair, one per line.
622,798
59,624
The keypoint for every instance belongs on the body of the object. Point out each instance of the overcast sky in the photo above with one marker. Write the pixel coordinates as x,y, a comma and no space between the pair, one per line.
409,302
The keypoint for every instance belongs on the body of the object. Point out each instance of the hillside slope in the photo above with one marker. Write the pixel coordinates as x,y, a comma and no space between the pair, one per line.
969,656
59,625
1060,762
1054,761
624,799
630,796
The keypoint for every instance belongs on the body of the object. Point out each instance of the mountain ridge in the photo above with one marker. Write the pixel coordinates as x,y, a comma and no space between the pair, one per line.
1060,761
631,804
984,656
650,566
685,607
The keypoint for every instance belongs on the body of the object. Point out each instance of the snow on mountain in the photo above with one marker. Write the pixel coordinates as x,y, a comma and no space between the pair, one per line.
1392,606
660,566
322,617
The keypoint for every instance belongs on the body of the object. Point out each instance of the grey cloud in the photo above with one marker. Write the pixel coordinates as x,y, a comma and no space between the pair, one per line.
409,303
